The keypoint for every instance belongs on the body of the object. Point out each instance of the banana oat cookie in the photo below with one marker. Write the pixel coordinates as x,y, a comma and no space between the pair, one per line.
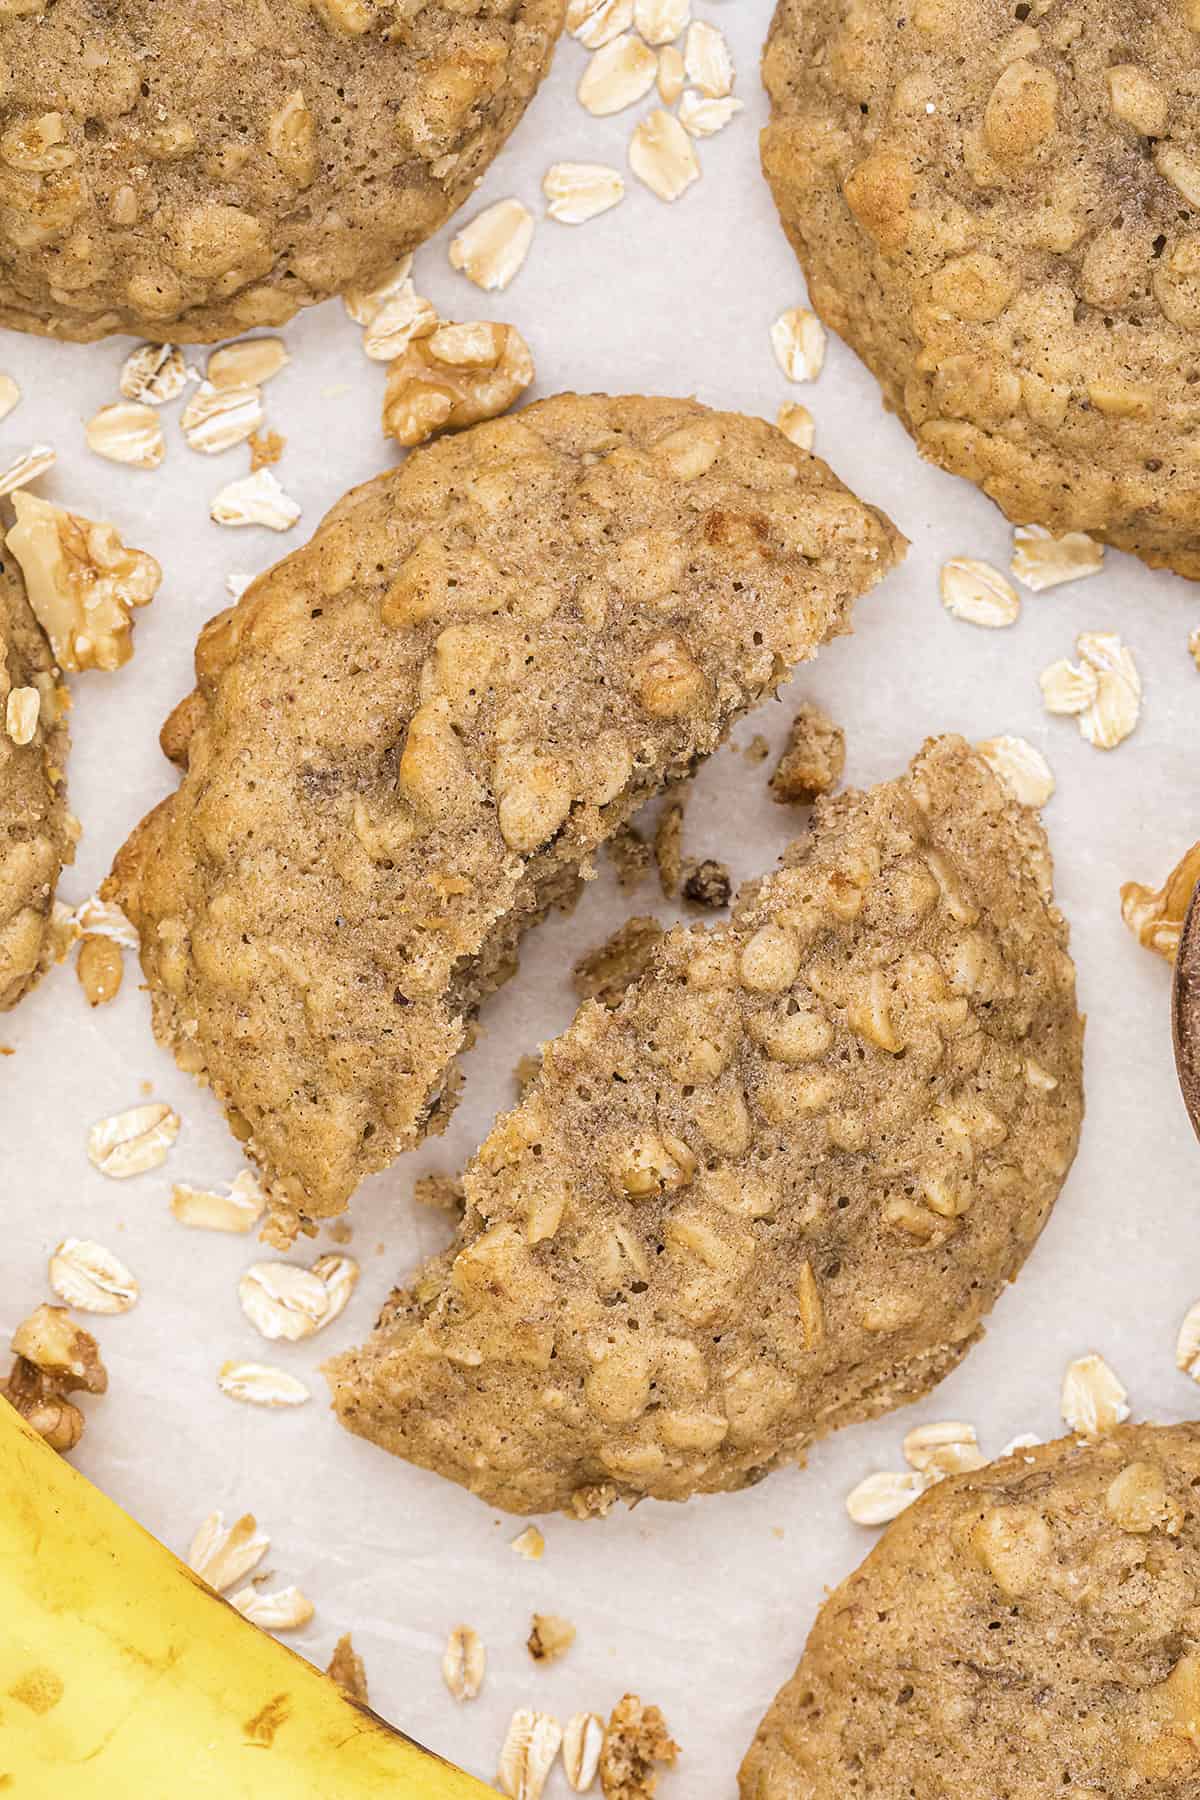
1027,1632
776,1190
409,736
998,206
37,833
189,169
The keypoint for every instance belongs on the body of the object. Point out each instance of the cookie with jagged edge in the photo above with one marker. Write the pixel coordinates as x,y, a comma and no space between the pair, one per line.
1027,1630
37,832
190,169
777,1189
409,738
998,207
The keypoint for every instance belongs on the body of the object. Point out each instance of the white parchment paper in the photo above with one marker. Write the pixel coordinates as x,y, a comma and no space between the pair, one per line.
704,1608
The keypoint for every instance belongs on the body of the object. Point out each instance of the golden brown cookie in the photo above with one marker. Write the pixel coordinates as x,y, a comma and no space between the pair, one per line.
1030,1630
37,833
998,206
408,737
189,169
776,1190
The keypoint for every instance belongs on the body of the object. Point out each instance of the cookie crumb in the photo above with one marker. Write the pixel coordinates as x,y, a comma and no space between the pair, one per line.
813,758
668,845
635,1740
444,1193
550,1637
606,972
630,855
266,447
758,749
530,1544
347,1669
526,1071
708,884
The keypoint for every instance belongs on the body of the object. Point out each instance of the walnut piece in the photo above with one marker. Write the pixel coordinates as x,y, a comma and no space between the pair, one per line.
1155,915
549,1637
457,375
708,884
347,1669
53,1357
812,761
83,582
636,1739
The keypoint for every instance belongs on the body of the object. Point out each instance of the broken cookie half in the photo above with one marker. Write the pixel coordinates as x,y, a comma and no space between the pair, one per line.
408,738
776,1189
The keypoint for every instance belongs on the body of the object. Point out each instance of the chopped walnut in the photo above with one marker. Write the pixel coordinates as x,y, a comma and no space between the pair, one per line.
606,972
668,845
53,1357
630,855
812,761
549,1637
708,884
1155,915
455,376
346,1668
82,581
635,1740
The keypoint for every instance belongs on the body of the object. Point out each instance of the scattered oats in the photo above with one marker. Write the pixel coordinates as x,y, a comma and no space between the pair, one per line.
583,1740
223,1557
798,340
215,419
670,80
464,1663
407,315
978,594
1022,769
21,711
797,424
550,1637
617,76
1155,915
255,500
1024,1440
130,1143
661,155
949,1447
64,932
10,395
101,918
1042,561
528,1754
282,1300
703,118
530,1544
90,1278
339,1277
154,374
1187,1344
1194,645
491,249
26,467
1093,1399
287,1610
261,1385
660,21
248,363
1068,689
83,582
577,192
236,585
206,1210
707,60
127,432
364,303
1113,714
99,970
266,448
347,1668
884,1496
595,23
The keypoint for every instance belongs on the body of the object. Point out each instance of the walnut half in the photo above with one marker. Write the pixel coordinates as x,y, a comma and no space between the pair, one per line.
457,375
83,582
1155,916
54,1357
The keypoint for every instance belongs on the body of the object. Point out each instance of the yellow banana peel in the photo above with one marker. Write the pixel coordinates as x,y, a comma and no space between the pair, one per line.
124,1677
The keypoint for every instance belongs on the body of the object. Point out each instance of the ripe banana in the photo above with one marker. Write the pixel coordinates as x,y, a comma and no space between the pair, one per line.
123,1677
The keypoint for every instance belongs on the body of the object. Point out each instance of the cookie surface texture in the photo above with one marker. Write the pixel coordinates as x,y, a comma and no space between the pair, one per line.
998,207
1027,1630
776,1190
189,169
408,736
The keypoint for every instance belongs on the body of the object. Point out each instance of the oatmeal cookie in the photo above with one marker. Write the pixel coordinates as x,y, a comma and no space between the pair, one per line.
998,207
776,1190
409,736
1028,1630
189,169
37,833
